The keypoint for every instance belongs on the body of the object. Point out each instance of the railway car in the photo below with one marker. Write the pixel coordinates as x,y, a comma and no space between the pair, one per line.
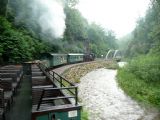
53,97
75,57
54,59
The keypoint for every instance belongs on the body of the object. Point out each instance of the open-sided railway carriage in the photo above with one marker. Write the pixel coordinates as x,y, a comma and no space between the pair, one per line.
10,78
53,97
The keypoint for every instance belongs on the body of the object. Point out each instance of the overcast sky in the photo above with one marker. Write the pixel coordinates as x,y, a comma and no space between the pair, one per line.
117,15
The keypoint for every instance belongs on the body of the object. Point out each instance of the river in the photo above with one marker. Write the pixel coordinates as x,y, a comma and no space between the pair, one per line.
104,100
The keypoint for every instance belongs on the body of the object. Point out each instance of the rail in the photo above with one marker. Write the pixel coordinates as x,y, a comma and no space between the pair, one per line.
63,85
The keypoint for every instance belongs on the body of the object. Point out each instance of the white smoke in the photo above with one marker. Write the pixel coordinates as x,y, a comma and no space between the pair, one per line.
50,16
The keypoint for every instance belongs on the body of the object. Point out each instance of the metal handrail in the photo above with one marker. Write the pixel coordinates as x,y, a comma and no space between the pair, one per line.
55,98
62,86
48,74
63,79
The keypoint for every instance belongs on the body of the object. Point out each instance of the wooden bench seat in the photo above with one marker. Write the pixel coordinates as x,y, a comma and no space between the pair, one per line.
2,114
17,72
14,77
14,84
40,80
35,67
39,73
8,71
6,85
36,70
12,69
36,95
9,75
12,66
2,105
37,92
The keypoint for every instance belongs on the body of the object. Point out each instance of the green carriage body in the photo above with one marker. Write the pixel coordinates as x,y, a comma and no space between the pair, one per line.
59,59
75,57
74,114
52,59
61,108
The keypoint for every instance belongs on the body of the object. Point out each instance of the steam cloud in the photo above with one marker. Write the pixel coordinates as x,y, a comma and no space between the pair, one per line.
50,16
46,18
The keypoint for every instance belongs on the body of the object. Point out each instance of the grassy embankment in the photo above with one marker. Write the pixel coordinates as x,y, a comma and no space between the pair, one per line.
75,73
140,79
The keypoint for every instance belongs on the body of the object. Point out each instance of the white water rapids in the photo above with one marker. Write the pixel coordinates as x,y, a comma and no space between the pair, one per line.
104,100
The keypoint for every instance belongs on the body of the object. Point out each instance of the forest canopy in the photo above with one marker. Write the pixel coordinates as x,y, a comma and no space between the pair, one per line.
145,38
142,48
23,38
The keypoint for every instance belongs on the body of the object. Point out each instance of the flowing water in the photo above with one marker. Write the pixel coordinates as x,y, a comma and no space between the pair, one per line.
104,100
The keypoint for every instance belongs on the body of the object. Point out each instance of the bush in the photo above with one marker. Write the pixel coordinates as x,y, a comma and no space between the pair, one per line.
17,46
146,68
140,79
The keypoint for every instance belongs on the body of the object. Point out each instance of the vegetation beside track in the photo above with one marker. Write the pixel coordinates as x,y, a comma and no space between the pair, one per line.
75,73
84,115
140,79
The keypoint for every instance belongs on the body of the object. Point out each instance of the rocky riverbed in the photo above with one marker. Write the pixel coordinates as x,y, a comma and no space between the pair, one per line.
104,100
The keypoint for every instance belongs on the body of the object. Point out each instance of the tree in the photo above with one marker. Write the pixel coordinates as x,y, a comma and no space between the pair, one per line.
18,46
146,36
3,7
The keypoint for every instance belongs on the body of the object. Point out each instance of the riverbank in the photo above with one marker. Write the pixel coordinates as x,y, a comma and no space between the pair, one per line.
104,100
98,96
140,79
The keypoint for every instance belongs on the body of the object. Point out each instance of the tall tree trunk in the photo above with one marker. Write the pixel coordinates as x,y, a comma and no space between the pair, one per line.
3,7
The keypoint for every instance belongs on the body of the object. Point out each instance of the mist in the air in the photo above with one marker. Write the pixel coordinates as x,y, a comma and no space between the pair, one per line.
50,16
44,17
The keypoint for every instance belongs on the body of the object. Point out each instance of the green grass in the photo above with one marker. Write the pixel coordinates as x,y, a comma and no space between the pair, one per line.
140,79
84,115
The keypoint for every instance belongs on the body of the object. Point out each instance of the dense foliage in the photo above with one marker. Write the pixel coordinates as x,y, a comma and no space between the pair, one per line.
17,45
22,39
81,35
141,77
146,36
